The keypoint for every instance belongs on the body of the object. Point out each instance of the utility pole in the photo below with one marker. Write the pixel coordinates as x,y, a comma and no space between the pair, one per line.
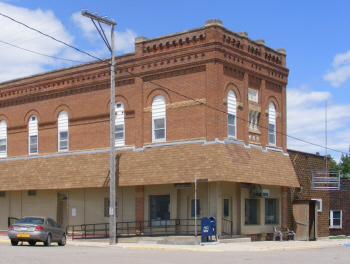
112,182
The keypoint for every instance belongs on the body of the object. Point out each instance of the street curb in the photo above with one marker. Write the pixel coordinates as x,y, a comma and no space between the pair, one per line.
173,249
286,248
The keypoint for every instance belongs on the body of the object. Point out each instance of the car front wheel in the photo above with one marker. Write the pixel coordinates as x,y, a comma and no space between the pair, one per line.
63,240
47,243
14,243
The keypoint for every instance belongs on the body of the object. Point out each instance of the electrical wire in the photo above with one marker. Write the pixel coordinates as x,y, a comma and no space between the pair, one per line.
50,37
170,90
41,53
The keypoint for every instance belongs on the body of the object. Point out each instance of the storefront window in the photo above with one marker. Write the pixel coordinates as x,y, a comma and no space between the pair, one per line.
160,210
270,211
251,211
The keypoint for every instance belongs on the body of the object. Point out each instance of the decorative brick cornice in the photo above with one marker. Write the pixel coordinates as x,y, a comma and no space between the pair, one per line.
46,93
254,67
189,103
167,44
175,73
273,86
251,47
239,75
254,82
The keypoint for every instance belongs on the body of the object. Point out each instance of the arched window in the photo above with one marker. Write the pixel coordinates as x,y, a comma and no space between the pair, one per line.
119,124
231,114
3,139
33,135
63,137
158,119
272,124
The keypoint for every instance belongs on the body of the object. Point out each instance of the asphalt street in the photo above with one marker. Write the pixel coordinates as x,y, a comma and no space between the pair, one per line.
80,251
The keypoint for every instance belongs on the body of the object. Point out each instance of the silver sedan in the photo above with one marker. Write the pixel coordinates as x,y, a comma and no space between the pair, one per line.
36,229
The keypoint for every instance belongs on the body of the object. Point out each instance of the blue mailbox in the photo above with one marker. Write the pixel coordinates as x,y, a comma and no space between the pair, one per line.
208,228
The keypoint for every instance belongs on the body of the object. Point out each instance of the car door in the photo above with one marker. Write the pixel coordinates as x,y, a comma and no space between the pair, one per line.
52,229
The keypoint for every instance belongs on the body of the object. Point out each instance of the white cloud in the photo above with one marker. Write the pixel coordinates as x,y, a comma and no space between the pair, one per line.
124,41
306,121
341,70
15,62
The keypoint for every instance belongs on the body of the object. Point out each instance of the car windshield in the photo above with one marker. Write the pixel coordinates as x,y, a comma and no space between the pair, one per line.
31,220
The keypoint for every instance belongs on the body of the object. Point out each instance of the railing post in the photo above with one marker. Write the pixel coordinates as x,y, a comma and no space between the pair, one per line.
85,230
166,227
140,228
93,230
127,227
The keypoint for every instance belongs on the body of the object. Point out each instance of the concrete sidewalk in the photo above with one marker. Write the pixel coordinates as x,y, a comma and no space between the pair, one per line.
215,247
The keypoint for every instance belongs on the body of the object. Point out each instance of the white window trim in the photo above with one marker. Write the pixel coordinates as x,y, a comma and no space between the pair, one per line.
320,202
231,110
3,136
59,141
274,134
33,132
120,120
62,128
157,117
331,219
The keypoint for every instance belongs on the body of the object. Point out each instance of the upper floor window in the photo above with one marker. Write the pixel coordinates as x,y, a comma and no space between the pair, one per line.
231,114
119,124
63,131
272,124
3,139
158,119
33,135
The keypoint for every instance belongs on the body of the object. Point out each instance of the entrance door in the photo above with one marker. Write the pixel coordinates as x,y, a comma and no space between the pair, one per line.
312,220
227,224
305,220
62,210
301,220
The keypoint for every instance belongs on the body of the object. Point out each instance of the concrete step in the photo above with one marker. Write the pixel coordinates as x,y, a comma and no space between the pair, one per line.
235,240
171,240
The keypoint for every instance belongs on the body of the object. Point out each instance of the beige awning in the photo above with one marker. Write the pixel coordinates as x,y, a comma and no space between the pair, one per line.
155,165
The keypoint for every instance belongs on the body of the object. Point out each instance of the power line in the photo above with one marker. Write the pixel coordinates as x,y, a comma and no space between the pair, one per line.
180,94
40,53
50,37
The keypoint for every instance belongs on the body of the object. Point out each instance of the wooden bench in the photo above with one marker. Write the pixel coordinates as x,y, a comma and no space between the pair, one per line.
281,231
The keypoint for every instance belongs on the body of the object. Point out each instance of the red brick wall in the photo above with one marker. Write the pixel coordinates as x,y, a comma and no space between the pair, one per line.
194,67
303,164
339,200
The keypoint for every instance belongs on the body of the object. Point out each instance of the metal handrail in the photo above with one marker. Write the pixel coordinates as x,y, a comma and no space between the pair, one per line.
174,227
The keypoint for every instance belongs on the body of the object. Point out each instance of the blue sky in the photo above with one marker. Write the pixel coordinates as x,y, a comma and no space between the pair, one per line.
316,36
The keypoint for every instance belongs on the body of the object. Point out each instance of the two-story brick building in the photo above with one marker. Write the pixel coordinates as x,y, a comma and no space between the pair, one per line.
211,102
